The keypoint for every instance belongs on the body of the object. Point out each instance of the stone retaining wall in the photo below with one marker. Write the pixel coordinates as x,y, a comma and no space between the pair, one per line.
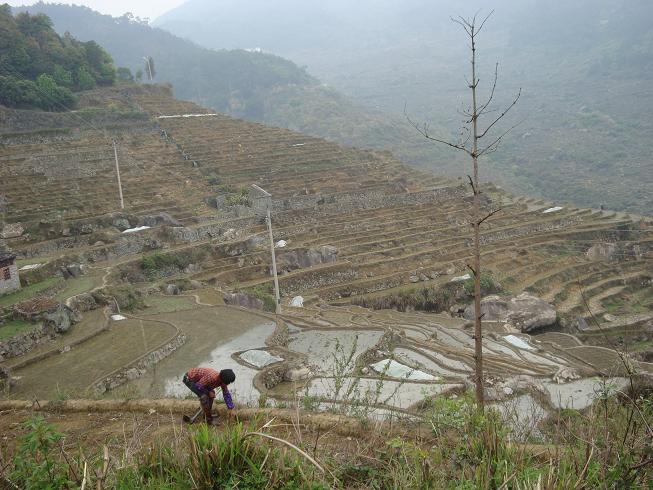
21,344
139,367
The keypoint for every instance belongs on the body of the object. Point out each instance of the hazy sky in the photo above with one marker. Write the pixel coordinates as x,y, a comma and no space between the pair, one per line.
140,8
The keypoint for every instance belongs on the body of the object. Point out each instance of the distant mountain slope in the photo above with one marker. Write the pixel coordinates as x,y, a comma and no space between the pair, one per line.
251,85
218,78
585,65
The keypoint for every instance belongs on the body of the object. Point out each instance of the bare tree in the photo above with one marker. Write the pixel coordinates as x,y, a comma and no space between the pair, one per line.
472,142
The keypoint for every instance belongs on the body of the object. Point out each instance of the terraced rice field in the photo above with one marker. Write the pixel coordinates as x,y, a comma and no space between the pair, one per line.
359,226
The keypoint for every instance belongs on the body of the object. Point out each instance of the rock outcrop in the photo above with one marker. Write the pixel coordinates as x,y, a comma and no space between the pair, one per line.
244,300
526,312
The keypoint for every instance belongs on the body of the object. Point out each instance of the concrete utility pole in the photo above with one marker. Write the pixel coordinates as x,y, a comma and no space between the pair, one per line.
149,67
264,199
115,154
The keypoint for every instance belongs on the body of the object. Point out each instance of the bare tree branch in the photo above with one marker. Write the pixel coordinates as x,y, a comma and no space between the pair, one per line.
463,23
489,215
424,131
471,182
503,114
480,28
494,86
498,140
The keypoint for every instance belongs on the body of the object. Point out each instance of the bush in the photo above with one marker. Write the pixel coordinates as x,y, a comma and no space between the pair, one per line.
36,465
158,262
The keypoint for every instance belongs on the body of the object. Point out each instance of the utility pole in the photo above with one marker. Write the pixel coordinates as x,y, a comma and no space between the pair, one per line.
274,264
149,67
115,154
262,198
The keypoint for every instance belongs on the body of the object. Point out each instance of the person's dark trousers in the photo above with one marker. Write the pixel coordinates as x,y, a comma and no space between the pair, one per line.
205,401
192,386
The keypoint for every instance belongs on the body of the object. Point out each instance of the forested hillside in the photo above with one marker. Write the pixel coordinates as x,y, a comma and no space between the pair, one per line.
40,69
584,65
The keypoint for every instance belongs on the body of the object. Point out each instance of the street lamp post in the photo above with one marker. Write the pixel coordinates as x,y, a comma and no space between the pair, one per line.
262,201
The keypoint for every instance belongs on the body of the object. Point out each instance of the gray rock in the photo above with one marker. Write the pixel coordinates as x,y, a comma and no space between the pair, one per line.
423,277
256,242
602,251
61,318
581,324
526,312
196,284
244,300
172,290
413,279
75,270
303,258
122,223
193,269
88,228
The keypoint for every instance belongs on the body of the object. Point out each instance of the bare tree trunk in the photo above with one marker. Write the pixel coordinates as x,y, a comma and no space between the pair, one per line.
478,330
475,150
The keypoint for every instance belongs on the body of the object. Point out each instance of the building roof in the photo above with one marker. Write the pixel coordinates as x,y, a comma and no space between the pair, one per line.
6,256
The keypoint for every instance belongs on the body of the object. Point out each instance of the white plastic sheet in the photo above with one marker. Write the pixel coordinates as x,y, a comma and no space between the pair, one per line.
137,229
297,302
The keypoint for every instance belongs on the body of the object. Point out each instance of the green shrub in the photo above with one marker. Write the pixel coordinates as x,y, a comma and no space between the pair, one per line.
488,286
37,463
157,262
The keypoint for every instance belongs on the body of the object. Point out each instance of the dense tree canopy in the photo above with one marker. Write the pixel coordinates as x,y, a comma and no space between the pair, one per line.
40,69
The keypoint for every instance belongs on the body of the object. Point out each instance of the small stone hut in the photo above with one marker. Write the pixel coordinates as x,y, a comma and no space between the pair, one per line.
9,280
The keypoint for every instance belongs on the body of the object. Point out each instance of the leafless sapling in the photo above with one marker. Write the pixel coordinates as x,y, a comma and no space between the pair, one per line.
473,142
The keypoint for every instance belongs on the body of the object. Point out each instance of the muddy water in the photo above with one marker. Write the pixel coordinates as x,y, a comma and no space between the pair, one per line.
71,373
329,350
432,366
582,393
213,335
367,391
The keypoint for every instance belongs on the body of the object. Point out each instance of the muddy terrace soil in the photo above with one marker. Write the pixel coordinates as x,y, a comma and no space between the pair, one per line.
127,431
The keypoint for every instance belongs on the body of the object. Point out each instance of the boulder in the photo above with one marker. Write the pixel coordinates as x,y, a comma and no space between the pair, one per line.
602,251
244,300
303,258
61,318
75,270
192,269
526,312
12,230
256,242
122,223
83,302
172,290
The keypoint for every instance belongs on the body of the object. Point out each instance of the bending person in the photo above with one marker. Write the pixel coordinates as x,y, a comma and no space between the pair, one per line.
204,381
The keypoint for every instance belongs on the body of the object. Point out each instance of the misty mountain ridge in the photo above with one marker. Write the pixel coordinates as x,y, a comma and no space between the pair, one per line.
585,68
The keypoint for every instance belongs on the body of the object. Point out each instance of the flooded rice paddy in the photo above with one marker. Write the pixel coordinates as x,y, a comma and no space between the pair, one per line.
380,362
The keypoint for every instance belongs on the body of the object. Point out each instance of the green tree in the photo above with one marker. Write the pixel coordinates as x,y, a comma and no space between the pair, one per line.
62,76
85,81
125,74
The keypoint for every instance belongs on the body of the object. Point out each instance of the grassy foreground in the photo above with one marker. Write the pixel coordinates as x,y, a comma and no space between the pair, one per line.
607,446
